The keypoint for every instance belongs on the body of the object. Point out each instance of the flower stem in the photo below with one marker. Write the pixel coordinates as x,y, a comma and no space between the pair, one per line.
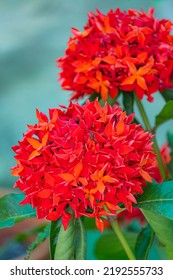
148,127
117,230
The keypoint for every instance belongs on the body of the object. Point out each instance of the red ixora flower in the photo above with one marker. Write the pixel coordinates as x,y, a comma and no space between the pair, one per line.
128,51
89,158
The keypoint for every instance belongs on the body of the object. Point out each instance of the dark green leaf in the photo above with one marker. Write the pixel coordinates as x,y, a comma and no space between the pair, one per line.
170,164
165,114
108,247
158,199
94,96
54,231
90,224
128,101
163,228
167,94
65,243
143,243
11,212
111,101
80,240
170,139
41,237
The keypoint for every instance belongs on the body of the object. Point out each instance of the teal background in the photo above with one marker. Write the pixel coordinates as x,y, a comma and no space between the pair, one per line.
32,35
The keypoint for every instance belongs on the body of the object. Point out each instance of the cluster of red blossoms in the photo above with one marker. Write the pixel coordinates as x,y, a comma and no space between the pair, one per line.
89,158
127,51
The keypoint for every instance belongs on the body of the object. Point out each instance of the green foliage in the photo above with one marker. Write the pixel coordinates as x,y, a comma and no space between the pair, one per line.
94,96
163,228
170,164
165,114
111,101
143,243
170,139
54,231
11,212
69,244
80,240
167,94
128,102
41,237
156,204
65,243
158,198
108,247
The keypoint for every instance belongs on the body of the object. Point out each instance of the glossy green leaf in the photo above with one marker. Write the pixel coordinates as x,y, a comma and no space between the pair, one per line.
163,228
108,247
41,237
158,198
128,101
170,139
143,243
11,212
65,243
167,94
54,231
80,240
165,114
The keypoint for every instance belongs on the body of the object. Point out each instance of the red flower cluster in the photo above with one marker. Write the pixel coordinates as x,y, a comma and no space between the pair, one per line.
128,51
88,158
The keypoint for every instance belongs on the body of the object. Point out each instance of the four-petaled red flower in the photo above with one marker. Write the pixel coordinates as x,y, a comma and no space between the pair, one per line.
126,51
89,158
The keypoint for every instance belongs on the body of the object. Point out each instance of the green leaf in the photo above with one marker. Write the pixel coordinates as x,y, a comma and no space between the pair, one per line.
11,212
111,101
68,244
158,198
128,101
167,94
170,164
94,96
90,224
156,204
165,114
143,243
65,243
170,139
80,240
41,237
108,247
54,231
163,228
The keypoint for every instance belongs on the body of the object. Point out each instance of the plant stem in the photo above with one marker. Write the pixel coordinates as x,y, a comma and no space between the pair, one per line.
122,239
155,144
143,113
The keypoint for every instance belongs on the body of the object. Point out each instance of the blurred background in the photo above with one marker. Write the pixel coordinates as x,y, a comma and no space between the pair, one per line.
33,34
